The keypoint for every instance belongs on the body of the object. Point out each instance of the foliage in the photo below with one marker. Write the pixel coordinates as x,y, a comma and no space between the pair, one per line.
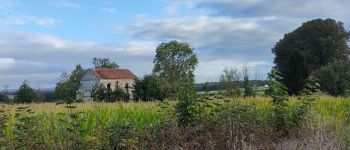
151,87
25,134
65,90
316,43
68,85
242,123
4,98
104,63
122,137
229,82
305,101
25,94
100,93
39,96
176,62
279,95
334,78
248,87
205,87
214,86
185,110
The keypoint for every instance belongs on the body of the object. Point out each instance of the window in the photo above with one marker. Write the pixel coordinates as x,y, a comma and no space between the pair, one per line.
127,88
109,86
117,85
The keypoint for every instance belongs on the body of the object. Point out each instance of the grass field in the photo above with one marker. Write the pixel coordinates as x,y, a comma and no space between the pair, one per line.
95,125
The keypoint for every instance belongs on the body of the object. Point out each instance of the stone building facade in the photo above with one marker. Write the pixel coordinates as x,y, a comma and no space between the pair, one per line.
110,78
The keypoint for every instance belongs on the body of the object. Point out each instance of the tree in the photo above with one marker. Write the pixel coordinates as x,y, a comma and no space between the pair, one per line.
229,82
68,85
316,43
39,96
104,63
76,76
206,88
25,94
65,89
151,87
176,62
334,78
4,98
278,92
248,87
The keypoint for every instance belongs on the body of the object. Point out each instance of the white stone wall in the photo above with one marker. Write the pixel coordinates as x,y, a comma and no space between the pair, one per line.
121,84
87,83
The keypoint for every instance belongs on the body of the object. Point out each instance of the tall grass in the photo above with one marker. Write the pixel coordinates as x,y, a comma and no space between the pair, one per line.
144,125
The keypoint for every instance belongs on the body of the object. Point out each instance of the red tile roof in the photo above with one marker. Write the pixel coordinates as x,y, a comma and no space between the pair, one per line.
105,73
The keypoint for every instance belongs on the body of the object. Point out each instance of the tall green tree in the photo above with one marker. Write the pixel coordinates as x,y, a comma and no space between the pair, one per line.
278,92
68,85
104,63
248,87
25,94
176,62
316,43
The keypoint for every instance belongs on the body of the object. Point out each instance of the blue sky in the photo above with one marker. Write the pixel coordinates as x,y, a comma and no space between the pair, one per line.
41,38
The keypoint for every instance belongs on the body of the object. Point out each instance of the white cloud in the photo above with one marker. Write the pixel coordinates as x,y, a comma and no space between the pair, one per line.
28,55
202,29
49,41
25,19
47,22
110,10
210,70
283,8
7,5
6,63
65,4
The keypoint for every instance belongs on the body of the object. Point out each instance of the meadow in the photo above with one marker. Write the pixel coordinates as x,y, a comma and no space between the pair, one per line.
236,123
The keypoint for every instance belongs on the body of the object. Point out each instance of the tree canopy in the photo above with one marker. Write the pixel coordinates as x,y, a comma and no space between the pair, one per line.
176,62
104,63
316,43
25,94
151,87
334,78
4,98
68,85
229,82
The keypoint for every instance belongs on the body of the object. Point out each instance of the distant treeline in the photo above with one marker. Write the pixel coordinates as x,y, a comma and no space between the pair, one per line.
214,86
46,95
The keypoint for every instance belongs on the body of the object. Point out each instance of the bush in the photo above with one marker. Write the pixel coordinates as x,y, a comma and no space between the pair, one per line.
102,94
151,87
4,98
334,78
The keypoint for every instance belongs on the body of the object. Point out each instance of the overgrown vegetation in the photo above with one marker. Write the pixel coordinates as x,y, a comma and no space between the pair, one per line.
210,124
152,87
105,94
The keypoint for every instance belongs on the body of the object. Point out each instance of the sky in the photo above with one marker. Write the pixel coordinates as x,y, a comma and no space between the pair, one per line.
39,39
